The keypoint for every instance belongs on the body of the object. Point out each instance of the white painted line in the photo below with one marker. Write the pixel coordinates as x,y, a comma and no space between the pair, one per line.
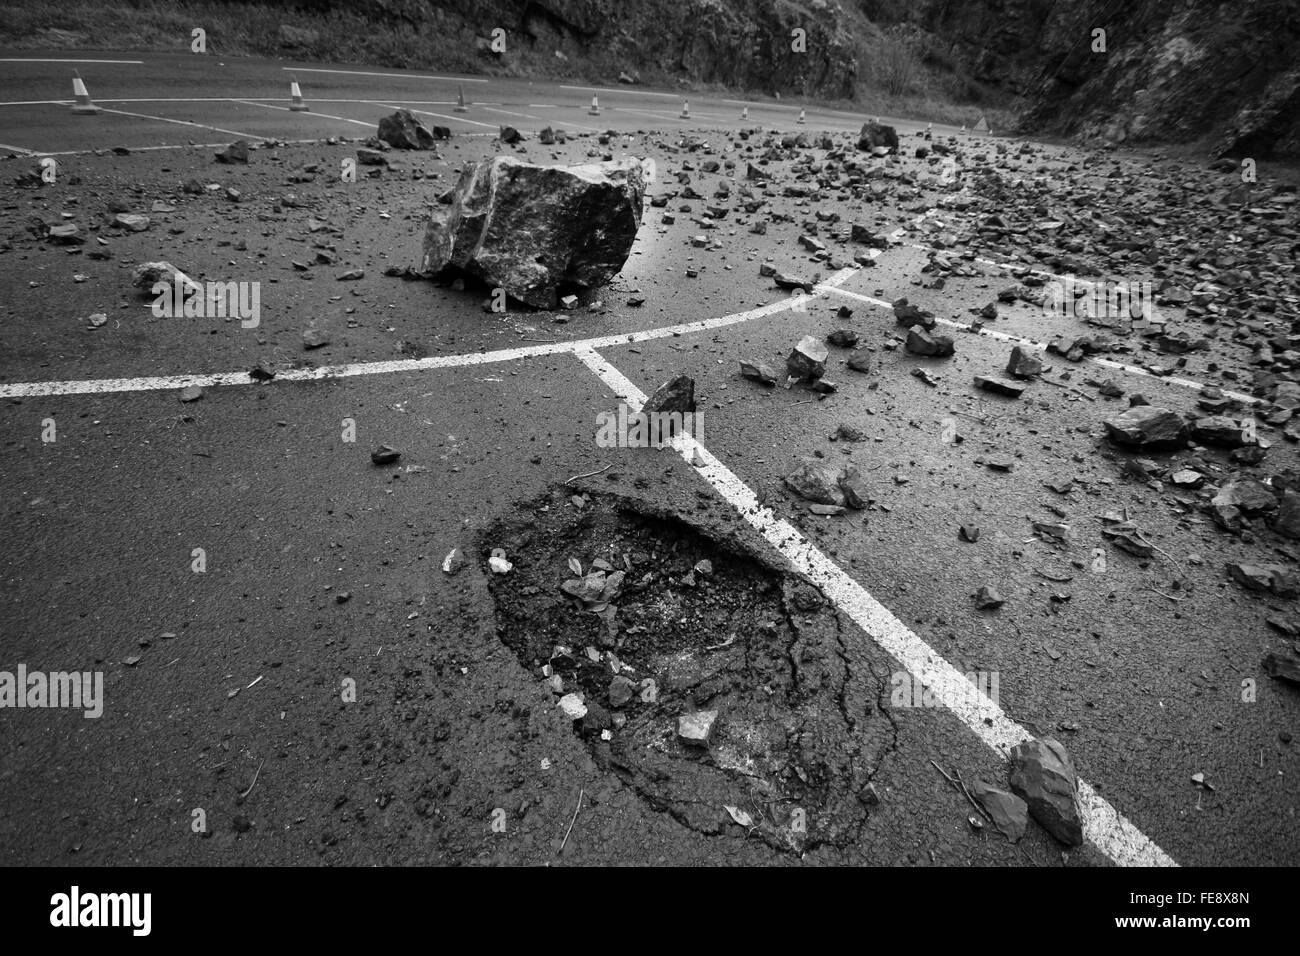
18,149
148,149
454,119
620,90
665,115
153,383
1103,825
165,119
35,60
395,76
557,122
341,119
1005,337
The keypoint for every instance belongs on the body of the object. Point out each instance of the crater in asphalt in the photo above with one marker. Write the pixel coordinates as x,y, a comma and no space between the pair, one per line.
715,628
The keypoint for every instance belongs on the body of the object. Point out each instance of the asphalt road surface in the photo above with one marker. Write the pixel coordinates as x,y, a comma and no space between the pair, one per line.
230,733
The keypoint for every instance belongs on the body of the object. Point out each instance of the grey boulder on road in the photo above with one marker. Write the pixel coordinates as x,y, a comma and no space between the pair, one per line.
534,230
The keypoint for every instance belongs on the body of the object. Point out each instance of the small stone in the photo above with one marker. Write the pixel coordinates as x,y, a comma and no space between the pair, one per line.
1024,363
1010,813
571,706
695,729
921,342
758,372
314,338
807,360
999,386
987,598
384,455
191,393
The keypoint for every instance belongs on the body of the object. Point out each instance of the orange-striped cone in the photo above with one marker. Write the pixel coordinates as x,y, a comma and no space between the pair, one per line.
460,101
800,120
686,109
296,105
744,112
595,108
81,98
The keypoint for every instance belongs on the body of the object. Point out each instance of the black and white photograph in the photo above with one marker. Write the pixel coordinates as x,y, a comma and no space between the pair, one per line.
729,434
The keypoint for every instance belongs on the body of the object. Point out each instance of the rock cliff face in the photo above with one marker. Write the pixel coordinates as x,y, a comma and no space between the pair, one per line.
1226,72
1170,70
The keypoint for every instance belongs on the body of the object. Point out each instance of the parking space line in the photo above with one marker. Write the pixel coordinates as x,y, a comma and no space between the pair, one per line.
1103,825
454,119
167,119
391,76
162,382
36,60
341,119
662,115
1006,337
618,90
149,149
18,149
557,122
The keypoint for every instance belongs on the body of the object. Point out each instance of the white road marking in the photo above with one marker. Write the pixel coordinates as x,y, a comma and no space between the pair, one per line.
147,149
662,115
35,60
557,122
158,382
165,119
341,119
454,119
619,90
1103,825
395,76
223,99
1104,362
18,149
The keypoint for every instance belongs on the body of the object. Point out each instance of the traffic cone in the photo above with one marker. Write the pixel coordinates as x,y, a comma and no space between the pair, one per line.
595,108
460,101
296,105
82,102
963,127
800,120
686,110
744,112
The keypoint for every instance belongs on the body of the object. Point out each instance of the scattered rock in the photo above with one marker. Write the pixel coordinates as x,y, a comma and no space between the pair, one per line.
1148,428
1042,775
695,729
401,130
807,361
384,455
1010,813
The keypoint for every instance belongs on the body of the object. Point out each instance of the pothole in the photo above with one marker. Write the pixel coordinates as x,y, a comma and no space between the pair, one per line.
658,621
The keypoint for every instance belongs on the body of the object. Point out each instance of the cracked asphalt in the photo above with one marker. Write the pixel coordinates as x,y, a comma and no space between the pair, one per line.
222,688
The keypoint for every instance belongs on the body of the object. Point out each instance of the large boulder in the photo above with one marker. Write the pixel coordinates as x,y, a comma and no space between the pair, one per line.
533,230
401,130
877,134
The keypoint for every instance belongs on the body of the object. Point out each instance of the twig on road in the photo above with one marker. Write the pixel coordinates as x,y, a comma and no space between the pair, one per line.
590,473
255,776
565,841
962,787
